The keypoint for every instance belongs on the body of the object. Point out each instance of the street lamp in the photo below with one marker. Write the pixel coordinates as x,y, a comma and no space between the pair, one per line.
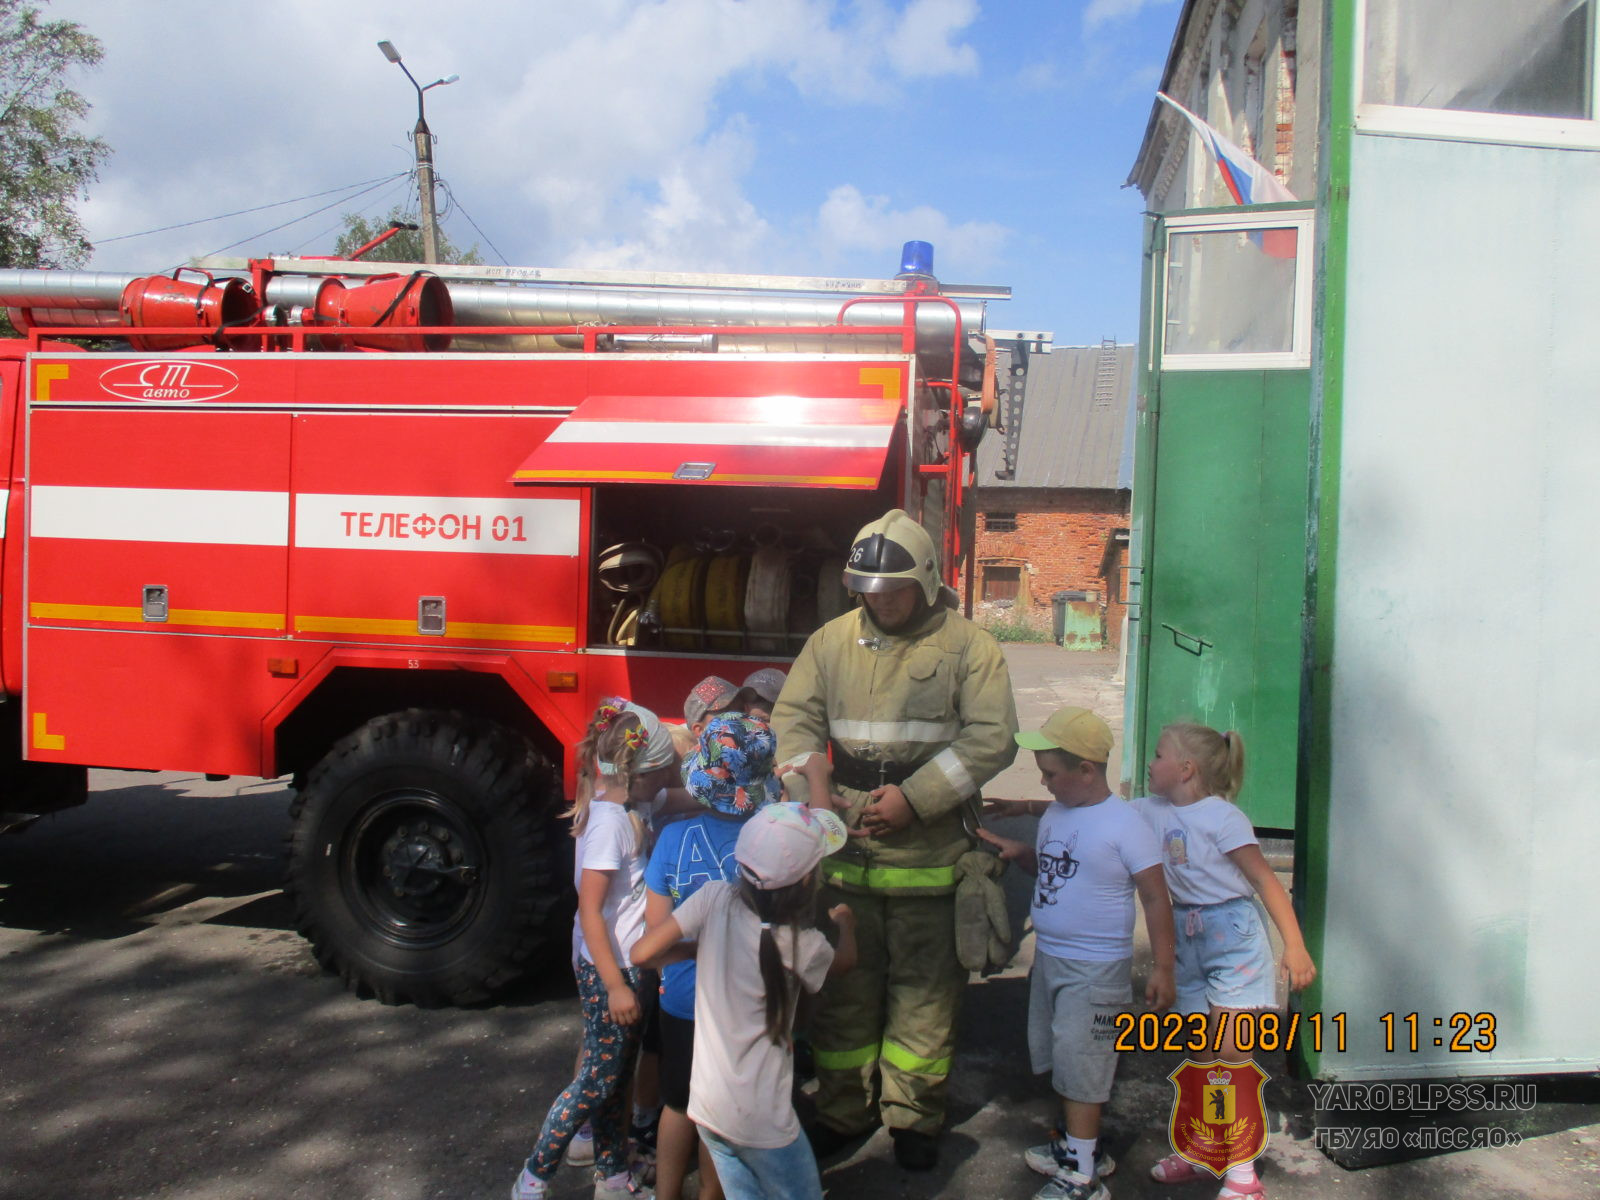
424,144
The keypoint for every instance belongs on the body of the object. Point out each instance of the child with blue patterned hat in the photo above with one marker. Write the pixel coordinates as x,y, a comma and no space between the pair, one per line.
731,770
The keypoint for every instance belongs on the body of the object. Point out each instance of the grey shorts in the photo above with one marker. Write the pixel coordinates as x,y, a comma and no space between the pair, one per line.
1072,1033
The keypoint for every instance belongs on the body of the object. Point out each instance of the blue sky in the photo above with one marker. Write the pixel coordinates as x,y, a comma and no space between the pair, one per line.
784,136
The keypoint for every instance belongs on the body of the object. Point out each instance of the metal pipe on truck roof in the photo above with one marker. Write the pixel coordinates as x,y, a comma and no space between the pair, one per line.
566,304
63,289
64,318
492,304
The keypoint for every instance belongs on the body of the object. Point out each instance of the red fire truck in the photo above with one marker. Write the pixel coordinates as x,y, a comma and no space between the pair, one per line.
394,532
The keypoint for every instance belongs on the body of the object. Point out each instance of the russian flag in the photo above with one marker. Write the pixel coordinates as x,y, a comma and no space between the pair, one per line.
1247,181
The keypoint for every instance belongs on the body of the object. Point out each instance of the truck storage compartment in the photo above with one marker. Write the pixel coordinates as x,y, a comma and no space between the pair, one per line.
730,570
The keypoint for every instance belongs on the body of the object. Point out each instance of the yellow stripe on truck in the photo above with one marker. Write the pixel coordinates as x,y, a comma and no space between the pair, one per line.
484,631
130,615
478,630
719,476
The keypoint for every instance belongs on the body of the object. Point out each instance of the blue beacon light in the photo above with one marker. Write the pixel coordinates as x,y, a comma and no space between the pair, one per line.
916,258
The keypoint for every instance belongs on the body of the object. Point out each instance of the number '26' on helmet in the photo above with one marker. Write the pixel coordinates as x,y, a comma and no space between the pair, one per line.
891,552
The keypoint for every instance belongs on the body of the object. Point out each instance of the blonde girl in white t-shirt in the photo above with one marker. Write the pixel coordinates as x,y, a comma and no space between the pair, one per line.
626,753
1214,869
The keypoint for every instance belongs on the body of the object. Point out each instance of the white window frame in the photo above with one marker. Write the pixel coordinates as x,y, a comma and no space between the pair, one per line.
1458,125
1298,357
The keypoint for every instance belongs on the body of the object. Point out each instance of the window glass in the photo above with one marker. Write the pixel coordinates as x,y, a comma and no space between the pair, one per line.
1231,291
1000,522
1528,58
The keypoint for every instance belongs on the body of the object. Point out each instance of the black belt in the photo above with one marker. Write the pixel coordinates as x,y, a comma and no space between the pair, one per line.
865,774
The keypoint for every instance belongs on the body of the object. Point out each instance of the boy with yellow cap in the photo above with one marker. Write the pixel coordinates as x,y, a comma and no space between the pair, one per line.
1090,856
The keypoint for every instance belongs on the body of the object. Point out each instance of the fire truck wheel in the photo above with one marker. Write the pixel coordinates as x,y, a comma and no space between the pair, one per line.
422,859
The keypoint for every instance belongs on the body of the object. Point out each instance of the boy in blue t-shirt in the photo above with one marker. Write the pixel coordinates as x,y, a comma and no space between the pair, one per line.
730,773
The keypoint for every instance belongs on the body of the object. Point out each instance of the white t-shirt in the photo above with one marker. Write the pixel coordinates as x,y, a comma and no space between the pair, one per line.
1195,840
607,844
1083,897
740,1085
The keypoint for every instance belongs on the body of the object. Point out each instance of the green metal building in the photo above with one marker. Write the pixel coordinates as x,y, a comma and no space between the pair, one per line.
1363,505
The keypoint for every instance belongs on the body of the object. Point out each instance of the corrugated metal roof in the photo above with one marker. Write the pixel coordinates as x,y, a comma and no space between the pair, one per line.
1074,421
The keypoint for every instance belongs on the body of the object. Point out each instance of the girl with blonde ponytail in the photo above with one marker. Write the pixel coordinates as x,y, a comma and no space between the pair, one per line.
625,752
1215,870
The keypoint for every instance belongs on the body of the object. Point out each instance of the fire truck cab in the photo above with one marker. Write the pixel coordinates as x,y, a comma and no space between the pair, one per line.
395,531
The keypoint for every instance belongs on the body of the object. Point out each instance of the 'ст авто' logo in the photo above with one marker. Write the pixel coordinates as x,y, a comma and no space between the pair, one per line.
168,379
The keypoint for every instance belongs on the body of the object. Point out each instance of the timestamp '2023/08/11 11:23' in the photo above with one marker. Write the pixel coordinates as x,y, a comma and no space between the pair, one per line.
1271,1032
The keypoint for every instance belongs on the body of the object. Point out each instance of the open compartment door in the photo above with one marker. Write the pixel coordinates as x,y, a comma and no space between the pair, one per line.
774,441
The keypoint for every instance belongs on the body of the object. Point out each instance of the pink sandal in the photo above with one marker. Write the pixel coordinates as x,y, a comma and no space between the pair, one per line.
1174,1168
1246,1191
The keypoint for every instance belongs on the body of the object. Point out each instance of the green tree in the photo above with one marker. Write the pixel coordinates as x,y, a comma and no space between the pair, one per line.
45,162
405,246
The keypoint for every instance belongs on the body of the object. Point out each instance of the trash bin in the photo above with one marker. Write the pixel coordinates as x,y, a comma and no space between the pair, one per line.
1058,613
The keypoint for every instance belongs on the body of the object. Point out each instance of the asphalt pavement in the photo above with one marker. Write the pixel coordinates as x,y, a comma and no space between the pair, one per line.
165,1034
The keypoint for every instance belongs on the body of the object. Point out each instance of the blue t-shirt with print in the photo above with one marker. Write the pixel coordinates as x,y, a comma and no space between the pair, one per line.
687,855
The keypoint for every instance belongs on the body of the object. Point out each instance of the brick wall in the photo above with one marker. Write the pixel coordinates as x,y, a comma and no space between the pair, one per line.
1060,540
1283,167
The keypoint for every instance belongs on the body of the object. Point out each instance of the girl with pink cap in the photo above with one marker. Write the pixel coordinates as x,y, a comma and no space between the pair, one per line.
757,948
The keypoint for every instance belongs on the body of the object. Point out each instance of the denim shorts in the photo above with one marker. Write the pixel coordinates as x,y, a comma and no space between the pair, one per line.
1072,1011
1224,957
786,1173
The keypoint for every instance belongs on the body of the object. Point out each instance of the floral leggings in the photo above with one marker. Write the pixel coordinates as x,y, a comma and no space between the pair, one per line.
599,1094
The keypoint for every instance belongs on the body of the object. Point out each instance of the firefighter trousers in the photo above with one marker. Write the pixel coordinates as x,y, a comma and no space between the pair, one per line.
884,1033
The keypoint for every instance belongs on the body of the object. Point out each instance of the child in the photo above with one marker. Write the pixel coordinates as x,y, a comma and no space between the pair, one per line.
624,743
811,771
712,695
1093,853
759,692
730,774
757,949
1213,862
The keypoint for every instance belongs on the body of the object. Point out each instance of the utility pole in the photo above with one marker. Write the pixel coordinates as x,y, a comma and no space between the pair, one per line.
423,141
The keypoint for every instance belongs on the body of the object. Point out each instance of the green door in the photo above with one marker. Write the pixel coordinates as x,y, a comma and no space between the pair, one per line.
1221,495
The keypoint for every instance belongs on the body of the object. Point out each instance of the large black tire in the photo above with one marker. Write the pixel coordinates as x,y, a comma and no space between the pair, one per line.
422,858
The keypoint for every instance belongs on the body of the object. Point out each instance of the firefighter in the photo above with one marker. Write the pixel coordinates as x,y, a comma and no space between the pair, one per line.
915,703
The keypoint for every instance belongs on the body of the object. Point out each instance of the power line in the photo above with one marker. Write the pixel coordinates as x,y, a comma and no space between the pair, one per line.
243,211
474,224
381,198
301,217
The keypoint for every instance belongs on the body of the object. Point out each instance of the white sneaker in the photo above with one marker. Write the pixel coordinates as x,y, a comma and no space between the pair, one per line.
580,1150
529,1187
621,1186
1070,1185
1053,1156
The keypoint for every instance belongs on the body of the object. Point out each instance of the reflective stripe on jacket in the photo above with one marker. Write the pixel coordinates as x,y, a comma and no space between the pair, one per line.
937,697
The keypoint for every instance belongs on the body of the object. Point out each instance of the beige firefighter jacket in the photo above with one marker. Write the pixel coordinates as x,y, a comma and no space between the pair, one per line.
937,697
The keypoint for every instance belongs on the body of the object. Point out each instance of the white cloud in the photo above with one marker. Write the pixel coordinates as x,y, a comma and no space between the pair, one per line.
1101,12
922,42
849,223
641,170
620,132
697,221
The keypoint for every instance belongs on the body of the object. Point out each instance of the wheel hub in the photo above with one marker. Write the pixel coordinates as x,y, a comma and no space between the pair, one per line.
413,868
420,859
